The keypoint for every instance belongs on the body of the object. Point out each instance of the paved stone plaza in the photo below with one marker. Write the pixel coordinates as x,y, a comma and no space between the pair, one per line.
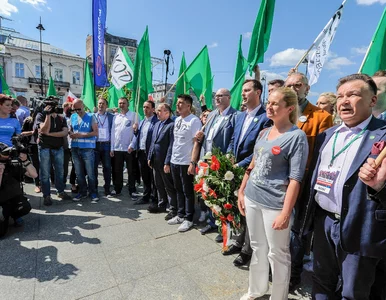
113,250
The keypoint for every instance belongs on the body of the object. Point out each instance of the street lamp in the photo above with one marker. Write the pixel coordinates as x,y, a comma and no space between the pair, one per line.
40,28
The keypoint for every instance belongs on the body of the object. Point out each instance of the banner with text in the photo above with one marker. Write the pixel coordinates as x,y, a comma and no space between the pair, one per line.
98,35
121,72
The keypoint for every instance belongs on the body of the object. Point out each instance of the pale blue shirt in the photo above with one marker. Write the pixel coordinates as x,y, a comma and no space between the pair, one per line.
247,122
122,131
144,130
103,122
332,201
218,119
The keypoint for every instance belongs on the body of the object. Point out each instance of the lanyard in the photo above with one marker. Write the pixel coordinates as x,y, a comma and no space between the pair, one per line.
104,121
334,156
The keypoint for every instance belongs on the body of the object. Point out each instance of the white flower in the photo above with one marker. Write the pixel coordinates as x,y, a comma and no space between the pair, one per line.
229,176
205,187
228,156
236,193
218,222
217,208
208,154
207,203
200,173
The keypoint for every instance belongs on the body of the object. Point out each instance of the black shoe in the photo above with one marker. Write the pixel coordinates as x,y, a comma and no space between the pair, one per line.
218,238
154,209
170,215
242,259
141,201
232,249
47,201
294,283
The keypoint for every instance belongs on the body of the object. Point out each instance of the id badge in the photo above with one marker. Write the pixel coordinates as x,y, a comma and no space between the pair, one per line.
326,180
102,133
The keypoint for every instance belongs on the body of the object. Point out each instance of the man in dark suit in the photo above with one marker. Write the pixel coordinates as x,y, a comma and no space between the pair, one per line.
141,144
247,126
159,157
102,149
349,228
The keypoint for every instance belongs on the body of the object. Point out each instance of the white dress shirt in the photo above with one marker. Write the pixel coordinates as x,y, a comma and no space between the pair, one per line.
144,130
218,119
122,131
332,201
247,122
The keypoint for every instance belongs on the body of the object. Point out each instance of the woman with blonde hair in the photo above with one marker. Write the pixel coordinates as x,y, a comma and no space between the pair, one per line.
268,194
327,102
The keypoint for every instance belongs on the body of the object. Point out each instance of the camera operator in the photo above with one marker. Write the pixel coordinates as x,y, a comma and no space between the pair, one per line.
52,127
12,201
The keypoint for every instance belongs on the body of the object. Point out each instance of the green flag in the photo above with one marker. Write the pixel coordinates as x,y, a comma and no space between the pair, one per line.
375,59
4,88
182,86
241,62
236,92
142,81
239,77
114,96
51,88
199,76
261,33
130,62
88,92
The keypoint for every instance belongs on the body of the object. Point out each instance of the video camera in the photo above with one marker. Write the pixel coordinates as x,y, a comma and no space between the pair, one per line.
52,102
20,144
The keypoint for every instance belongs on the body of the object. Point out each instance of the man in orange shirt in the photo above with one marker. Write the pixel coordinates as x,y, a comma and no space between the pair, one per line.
312,121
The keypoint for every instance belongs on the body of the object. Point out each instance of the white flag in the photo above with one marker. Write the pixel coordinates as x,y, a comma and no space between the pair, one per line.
121,72
322,45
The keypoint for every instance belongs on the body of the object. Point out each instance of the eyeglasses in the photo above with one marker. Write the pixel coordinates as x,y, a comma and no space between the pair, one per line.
77,109
295,85
221,95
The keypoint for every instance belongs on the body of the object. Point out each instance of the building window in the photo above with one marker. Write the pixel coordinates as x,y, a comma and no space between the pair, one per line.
113,50
19,70
75,77
37,72
58,75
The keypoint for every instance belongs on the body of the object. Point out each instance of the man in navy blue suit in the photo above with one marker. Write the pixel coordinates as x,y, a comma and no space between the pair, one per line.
159,157
247,126
141,144
348,215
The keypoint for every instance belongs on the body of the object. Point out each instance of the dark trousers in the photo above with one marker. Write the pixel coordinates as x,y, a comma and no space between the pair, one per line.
120,157
73,174
66,162
331,261
167,194
242,240
185,192
146,174
35,161
298,250
102,154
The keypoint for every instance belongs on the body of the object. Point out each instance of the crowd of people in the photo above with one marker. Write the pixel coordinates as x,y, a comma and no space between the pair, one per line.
310,183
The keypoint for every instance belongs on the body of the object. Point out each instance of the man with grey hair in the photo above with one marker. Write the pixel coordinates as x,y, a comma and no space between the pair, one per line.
312,121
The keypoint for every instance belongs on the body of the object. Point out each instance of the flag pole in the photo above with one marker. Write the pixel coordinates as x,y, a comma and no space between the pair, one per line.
138,93
364,59
304,56
174,84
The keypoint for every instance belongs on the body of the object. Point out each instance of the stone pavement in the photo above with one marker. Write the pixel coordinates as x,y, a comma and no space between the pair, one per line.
113,250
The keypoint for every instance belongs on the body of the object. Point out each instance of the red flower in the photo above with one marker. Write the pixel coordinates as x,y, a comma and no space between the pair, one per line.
197,169
203,195
228,206
222,218
212,193
198,187
215,166
230,218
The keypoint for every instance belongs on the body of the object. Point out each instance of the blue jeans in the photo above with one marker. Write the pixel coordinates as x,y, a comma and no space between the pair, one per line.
47,158
84,160
102,153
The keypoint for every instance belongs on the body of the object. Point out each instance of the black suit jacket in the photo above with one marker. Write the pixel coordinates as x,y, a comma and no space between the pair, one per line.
161,145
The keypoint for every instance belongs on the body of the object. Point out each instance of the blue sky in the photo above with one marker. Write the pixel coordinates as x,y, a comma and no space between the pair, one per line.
189,25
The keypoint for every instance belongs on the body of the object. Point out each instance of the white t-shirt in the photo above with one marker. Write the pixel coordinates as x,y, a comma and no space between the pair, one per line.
184,132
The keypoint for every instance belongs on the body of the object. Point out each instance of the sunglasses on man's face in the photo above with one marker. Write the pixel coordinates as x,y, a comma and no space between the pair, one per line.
77,109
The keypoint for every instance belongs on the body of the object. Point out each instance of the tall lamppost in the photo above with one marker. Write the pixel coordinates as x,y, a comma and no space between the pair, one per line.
40,28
